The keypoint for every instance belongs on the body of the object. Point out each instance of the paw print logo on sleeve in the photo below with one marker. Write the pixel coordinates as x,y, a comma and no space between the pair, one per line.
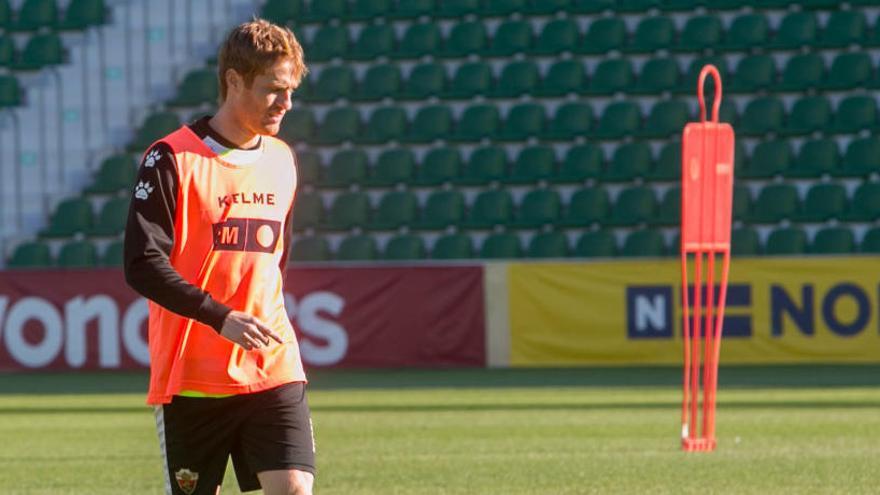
150,160
143,190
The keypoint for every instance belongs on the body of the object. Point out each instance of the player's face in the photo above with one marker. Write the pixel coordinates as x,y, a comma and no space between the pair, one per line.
264,103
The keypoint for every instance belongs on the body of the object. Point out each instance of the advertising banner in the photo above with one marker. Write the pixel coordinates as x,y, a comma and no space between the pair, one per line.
351,316
779,310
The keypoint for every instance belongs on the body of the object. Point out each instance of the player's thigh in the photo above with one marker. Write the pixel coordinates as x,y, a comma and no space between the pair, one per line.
286,482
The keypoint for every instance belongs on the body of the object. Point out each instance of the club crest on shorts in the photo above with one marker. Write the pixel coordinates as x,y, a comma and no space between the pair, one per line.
187,480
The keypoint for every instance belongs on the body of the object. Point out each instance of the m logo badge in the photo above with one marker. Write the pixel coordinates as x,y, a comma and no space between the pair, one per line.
187,480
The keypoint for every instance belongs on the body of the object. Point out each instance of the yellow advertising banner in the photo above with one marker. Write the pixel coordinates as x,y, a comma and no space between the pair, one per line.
779,310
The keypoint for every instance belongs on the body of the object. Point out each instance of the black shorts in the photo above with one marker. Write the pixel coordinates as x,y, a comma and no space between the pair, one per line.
263,431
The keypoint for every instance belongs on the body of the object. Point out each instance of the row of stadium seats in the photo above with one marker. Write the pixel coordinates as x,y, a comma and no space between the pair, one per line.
73,254
41,50
700,33
35,15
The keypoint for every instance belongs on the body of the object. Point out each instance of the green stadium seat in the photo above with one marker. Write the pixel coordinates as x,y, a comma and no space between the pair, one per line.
502,8
700,32
5,14
471,79
501,245
855,114
745,241
419,40
558,36
439,166
393,166
802,72
653,33
339,125
358,247
298,126
667,167
82,14
198,87
797,29
533,164
762,115
405,247
833,240
769,159
815,158
658,75
325,11
692,76
114,255
636,5
634,205
523,121
385,124
333,82
865,206
786,241
442,210
563,78
754,73
611,76
844,28
477,122
367,10
849,71
34,254
348,210
517,78
312,248
308,168
539,208
491,208
546,7
862,157
603,35
742,202
822,4
619,120
374,41
571,120
871,241
154,127
78,254
347,167
596,244
581,163
117,173
510,38
776,202
8,51
282,11
591,6
425,81
10,91
746,32
464,39
396,209
548,245
41,50
824,202
457,8
111,219
72,216
669,211
587,206
34,15
453,247
644,243
667,119
485,165
308,211
630,161
412,9
329,42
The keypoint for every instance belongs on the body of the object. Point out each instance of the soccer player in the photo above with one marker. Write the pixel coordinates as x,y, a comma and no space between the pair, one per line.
207,242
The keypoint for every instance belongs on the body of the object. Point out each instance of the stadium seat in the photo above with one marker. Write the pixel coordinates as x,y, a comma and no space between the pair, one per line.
776,202
430,123
620,119
404,247
502,8
533,164
333,82
457,8
611,76
198,87
644,243
802,72
41,50
374,41
849,71
629,161
366,10
862,158
114,255
485,165
347,167
313,248
282,11
501,245
117,173
419,40
385,124
769,159
667,167
833,240
339,125
358,247
692,76
591,6
634,205
325,11
666,119
871,241
517,78
603,35
34,15
393,166
82,14
442,209
557,36
797,29
587,206
425,81
154,127
8,51
865,206
754,73
439,166
470,80
786,241
539,208
511,37
308,168
636,5
5,14
523,121
744,241
112,218
824,202
815,158
464,39
78,254
490,208
700,32
329,42
546,7
34,254
653,33
548,245
742,201
563,77
844,28
396,209
412,9
452,247
10,91
658,75
746,32
762,115
596,244
477,122
669,211
855,114
72,216
581,163
348,210
570,121
309,211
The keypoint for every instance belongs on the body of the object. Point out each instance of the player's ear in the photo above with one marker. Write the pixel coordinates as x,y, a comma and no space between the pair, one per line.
234,81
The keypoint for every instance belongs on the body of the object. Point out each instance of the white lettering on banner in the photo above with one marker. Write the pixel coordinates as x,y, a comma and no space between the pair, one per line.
135,346
77,313
307,314
650,313
25,353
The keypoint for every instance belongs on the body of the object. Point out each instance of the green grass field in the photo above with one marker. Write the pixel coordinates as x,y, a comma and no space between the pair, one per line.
796,430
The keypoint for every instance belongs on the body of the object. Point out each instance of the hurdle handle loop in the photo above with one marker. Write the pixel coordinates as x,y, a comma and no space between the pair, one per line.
716,104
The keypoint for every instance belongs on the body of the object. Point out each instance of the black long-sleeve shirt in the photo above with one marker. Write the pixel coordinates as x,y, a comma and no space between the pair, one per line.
149,233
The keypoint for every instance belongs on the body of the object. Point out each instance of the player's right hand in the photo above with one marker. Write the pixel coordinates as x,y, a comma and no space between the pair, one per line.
247,331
